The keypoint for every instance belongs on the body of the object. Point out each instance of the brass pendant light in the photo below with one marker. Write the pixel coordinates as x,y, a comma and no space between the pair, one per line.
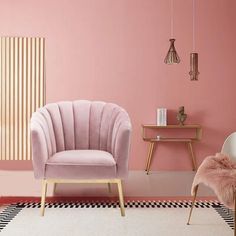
194,56
194,66
172,56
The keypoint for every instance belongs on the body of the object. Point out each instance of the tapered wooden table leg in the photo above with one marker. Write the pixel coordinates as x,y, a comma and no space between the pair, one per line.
192,155
150,156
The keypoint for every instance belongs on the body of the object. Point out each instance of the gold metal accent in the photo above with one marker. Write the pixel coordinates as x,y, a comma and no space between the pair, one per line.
172,56
44,192
121,197
22,91
194,66
194,199
45,182
152,141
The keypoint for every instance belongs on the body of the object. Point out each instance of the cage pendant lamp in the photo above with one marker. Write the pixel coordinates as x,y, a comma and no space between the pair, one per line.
194,56
172,56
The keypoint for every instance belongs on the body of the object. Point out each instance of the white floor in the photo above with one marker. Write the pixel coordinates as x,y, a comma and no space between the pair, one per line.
138,184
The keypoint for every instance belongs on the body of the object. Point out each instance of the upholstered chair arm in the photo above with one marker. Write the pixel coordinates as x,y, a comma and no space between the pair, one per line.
39,149
122,147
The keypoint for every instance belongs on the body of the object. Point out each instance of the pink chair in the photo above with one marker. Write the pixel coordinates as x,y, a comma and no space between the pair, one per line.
80,142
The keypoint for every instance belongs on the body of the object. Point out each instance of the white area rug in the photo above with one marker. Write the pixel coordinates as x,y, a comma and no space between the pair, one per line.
103,219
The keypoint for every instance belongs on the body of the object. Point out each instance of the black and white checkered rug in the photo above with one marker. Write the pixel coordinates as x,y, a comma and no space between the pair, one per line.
23,218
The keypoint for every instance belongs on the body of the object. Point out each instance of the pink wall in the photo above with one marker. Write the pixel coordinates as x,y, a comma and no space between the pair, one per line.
114,50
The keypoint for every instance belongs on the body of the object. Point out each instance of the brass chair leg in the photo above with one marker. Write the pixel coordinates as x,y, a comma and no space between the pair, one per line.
194,199
121,197
44,191
109,187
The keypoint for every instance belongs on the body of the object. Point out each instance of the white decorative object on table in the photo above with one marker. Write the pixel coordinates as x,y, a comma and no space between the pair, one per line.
161,116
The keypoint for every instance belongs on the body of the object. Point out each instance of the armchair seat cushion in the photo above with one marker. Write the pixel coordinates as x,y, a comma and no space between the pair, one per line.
82,157
81,164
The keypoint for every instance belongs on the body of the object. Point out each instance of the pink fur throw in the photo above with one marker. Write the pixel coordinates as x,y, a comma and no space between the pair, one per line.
219,173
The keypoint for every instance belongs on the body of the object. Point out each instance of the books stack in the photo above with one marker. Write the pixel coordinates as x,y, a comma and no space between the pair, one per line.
161,116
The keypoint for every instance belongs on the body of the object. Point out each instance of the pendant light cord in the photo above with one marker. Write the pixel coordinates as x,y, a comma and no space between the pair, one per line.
193,21
172,18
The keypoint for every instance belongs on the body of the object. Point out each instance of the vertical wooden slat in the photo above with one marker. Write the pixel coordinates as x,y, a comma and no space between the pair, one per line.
37,73
12,73
22,91
42,79
3,100
33,74
44,74
11,123
16,100
39,84
29,96
7,99
20,104
1,96
24,115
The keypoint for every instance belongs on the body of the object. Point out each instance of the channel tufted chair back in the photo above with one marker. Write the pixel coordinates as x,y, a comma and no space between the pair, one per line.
83,140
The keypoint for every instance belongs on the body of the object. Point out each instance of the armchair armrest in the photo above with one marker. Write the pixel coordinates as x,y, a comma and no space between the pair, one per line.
122,147
39,149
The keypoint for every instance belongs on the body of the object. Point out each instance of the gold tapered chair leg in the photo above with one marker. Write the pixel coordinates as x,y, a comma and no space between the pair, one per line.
44,191
194,199
121,198
109,187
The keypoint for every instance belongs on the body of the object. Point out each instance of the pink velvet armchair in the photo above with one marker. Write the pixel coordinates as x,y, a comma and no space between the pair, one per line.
80,142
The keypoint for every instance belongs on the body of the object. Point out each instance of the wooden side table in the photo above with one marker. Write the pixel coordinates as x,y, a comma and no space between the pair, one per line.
152,141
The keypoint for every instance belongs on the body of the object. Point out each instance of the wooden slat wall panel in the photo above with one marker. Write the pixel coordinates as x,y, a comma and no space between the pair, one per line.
22,91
